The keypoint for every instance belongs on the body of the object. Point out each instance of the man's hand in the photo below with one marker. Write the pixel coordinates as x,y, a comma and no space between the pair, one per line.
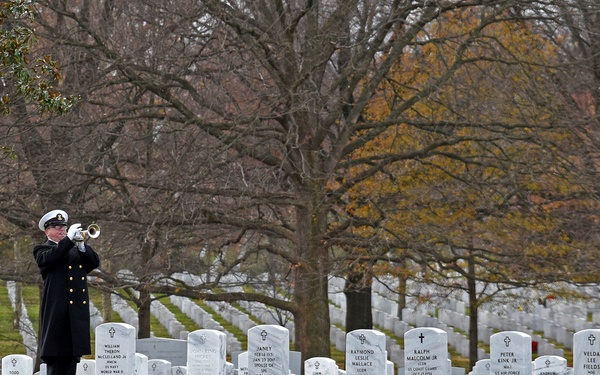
78,236
74,230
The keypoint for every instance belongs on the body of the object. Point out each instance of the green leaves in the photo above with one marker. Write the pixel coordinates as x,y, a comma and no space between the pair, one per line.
33,77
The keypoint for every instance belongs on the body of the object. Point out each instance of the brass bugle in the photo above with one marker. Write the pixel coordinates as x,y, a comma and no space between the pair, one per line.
92,231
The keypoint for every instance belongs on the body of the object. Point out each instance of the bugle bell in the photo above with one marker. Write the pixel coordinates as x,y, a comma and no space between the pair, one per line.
92,231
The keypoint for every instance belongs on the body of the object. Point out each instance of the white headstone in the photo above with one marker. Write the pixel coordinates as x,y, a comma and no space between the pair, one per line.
365,352
17,364
586,352
390,368
179,370
115,348
320,366
86,367
242,363
268,350
482,367
206,352
172,350
159,367
549,365
141,364
426,351
510,353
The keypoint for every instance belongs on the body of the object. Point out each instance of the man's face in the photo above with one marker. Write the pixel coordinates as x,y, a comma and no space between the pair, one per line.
56,232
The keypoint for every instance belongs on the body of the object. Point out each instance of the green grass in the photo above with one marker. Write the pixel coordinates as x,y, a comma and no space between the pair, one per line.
11,341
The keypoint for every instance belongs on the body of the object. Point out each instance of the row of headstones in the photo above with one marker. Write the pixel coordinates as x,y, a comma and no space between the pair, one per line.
426,352
385,316
557,320
268,353
205,320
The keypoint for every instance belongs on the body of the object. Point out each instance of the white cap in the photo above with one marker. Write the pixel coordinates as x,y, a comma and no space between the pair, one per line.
53,217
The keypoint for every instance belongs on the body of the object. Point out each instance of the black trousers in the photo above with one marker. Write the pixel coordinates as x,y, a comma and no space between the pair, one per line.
61,365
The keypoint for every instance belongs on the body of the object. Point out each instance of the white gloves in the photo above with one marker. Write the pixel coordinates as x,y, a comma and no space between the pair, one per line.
73,231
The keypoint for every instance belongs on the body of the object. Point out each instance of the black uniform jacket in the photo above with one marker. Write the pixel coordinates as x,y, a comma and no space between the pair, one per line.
64,309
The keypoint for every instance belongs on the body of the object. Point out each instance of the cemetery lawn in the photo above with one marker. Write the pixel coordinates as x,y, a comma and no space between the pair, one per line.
11,341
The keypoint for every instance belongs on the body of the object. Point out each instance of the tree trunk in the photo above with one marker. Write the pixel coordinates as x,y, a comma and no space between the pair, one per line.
106,297
144,315
358,308
311,280
402,289
359,314
18,313
473,314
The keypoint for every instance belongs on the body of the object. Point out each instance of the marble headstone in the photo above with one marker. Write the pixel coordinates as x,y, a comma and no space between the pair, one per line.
586,352
172,350
482,367
549,365
159,367
206,352
510,353
320,366
426,351
242,363
86,367
115,349
365,352
141,364
179,370
17,364
268,350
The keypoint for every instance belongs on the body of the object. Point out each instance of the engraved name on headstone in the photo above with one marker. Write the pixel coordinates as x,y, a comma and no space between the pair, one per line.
365,352
426,351
115,349
206,352
586,352
510,353
268,350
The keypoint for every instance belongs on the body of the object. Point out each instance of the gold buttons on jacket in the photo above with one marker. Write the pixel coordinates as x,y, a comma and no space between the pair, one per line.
71,302
83,290
80,266
71,278
70,267
71,290
84,302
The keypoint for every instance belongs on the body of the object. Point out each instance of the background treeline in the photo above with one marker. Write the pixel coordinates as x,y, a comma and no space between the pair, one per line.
452,142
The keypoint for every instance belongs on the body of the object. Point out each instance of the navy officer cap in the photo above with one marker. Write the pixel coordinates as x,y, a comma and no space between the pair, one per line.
54,217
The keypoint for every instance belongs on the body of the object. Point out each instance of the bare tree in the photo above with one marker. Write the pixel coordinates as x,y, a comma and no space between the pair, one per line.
216,138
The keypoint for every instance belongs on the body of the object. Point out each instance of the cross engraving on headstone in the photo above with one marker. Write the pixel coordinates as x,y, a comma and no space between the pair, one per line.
507,341
421,337
592,338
